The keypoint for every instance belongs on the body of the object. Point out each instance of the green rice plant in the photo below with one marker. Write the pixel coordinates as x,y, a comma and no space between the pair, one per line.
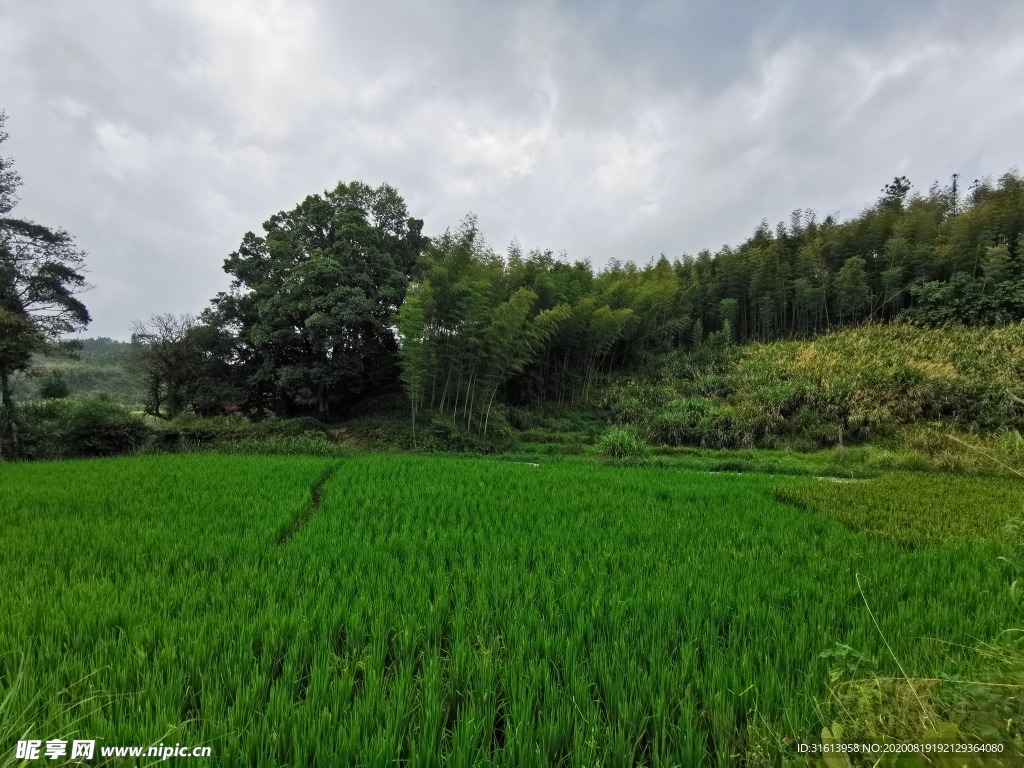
309,444
460,611
914,508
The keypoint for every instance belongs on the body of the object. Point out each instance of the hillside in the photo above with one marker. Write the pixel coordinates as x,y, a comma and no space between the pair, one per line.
856,384
101,367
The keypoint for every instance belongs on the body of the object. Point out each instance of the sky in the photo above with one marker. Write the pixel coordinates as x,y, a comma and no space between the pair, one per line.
158,133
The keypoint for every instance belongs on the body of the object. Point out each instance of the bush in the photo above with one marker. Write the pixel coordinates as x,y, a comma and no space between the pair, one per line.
237,427
55,429
302,425
698,421
623,443
444,434
54,387
968,300
99,428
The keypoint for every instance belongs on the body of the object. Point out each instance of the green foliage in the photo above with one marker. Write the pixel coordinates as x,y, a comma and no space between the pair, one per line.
54,387
236,425
91,427
450,436
311,314
852,290
968,300
697,335
467,328
861,383
182,362
418,345
553,423
459,610
313,302
312,443
623,443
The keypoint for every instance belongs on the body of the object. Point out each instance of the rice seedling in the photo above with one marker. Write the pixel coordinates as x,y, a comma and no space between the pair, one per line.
435,610
916,508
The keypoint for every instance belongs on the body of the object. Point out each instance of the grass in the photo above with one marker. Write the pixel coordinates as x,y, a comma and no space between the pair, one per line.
442,610
860,383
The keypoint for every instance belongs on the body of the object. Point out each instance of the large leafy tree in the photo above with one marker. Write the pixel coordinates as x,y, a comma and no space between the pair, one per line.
313,301
40,277
184,363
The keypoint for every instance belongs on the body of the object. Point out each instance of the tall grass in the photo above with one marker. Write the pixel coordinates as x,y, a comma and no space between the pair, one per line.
856,384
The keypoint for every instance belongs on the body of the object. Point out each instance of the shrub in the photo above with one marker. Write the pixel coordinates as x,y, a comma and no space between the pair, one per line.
238,427
54,387
303,425
623,443
697,421
99,428
860,383
53,429
445,434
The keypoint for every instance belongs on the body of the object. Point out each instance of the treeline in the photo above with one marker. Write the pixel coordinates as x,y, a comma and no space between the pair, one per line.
532,327
343,297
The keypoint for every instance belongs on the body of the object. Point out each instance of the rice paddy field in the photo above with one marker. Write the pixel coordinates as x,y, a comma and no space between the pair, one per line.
425,610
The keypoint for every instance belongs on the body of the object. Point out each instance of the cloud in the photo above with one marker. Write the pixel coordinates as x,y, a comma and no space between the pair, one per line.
158,133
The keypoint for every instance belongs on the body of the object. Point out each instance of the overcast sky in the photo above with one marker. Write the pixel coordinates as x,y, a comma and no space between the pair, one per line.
158,133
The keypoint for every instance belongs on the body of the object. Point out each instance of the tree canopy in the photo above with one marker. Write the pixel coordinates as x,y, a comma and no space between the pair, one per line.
41,273
313,300
937,258
337,290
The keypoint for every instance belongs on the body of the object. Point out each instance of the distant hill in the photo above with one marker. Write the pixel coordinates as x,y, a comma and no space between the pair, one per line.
102,366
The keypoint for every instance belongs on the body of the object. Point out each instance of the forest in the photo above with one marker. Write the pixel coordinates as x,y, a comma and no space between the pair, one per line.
343,301
342,307
343,297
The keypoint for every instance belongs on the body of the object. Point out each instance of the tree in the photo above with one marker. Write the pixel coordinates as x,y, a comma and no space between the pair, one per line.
997,263
54,387
851,287
167,358
40,277
727,309
185,362
895,192
313,301
417,345
512,337
697,334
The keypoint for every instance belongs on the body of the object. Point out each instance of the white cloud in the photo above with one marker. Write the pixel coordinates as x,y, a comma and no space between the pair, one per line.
159,133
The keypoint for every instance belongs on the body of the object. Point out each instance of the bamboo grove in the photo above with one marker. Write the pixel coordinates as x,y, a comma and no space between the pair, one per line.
532,327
